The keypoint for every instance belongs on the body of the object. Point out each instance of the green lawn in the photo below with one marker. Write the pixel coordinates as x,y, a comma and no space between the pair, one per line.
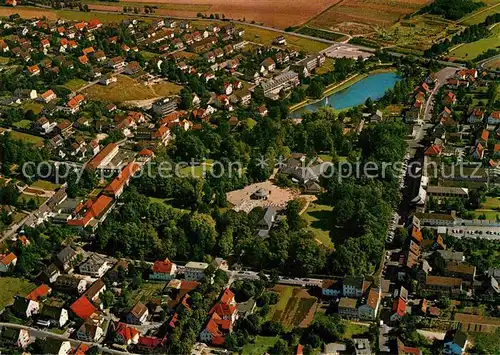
284,297
481,14
352,329
4,60
259,346
148,55
34,106
38,199
75,84
27,138
11,287
46,185
146,291
491,203
318,217
473,49
22,124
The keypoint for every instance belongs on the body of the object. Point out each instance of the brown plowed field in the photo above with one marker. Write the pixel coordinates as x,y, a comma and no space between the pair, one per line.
367,12
275,13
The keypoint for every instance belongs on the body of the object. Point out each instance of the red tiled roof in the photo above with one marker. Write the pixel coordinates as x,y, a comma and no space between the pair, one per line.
162,266
484,135
123,178
41,291
171,117
47,94
434,149
83,308
81,349
399,307
96,161
416,234
150,342
100,205
8,259
126,331
495,115
146,153
227,297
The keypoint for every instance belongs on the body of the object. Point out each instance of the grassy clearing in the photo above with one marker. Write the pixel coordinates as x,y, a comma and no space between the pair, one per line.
251,122
18,217
148,55
22,124
27,138
75,84
266,37
24,198
147,291
127,89
175,7
481,14
46,185
34,106
85,16
352,329
294,307
10,287
318,217
259,346
325,68
472,50
4,60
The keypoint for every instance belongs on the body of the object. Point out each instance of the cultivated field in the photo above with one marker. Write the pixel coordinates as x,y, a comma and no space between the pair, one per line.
271,13
417,33
371,13
127,89
295,307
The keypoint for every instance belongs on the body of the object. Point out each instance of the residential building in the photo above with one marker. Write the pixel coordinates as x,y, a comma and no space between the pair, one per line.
94,291
104,157
56,316
465,271
164,106
82,308
266,223
194,271
362,346
7,262
353,286
95,266
398,309
442,284
116,187
455,342
25,307
138,314
125,334
163,270
347,307
90,332
19,338
369,309
450,255
331,288
51,273
284,81
71,283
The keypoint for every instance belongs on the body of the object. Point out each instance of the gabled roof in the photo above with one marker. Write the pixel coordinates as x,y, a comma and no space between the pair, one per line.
83,308
399,307
138,310
41,291
456,336
164,266
7,259
123,178
127,332
433,149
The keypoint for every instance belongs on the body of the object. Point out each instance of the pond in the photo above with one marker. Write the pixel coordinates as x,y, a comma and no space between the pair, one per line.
373,86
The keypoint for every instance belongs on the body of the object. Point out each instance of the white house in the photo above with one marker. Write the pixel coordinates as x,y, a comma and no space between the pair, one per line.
94,266
25,307
163,270
194,271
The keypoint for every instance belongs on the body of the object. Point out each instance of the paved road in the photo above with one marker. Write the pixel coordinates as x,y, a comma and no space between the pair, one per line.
45,334
442,77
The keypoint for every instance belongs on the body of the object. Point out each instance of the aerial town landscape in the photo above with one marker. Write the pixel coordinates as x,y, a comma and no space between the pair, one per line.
250,177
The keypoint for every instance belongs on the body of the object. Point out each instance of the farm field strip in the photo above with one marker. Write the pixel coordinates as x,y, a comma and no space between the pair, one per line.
269,12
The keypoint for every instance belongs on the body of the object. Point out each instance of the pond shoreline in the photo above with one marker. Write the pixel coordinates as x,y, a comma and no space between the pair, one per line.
336,87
